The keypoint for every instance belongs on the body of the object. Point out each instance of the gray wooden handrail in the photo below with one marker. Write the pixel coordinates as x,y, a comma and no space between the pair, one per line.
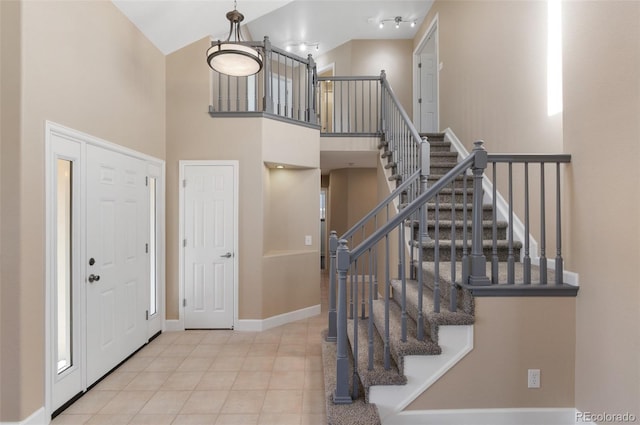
403,113
351,78
405,213
397,191
528,157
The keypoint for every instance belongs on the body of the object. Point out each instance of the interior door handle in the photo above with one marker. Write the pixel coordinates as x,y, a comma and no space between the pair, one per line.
93,278
227,255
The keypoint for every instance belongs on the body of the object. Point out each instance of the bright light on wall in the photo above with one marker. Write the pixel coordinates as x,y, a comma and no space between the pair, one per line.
554,57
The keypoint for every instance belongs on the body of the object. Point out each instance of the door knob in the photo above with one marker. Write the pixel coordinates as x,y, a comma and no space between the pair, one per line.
227,255
93,278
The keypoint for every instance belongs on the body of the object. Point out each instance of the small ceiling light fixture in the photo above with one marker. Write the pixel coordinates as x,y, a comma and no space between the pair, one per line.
397,21
302,46
233,57
279,167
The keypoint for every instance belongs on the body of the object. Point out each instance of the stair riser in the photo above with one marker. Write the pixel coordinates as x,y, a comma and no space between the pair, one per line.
445,214
440,147
458,197
444,168
458,183
445,253
449,158
445,233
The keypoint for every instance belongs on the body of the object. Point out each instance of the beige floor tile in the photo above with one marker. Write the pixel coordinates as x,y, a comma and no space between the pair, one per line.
216,337
314,419
259,363
66,419
289,338
281,380
91,402
244,401
177,350
313,380
219,380
204,402
313,401
289,363
314,349
164,364
195,420
237,419
166,338
191,337
271,336
313,363
242,338
227,363
155,419
292,350
117,380
151,350
252,380
110,419
166,402
150,381
209,351
283,401
195,364
237,349
127,402
185,381
263,349
135,364
280,419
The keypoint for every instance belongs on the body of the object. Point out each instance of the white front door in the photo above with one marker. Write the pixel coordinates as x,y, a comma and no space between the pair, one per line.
117,234
209,223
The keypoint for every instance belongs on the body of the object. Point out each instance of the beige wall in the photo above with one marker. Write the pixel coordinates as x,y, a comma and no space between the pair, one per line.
352,194
512,335
602,132
193,134
85,66
369,57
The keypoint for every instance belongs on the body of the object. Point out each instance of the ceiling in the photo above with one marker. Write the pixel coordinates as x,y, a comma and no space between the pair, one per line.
173,24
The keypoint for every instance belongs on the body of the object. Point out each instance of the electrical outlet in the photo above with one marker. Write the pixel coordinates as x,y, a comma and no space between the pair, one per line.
534,378
307,240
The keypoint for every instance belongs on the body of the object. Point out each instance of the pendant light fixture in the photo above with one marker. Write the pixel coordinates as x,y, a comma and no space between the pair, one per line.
233,57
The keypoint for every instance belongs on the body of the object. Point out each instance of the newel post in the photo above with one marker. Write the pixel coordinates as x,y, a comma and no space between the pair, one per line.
425,164
267,100
341,395
333,246
477,260
311,90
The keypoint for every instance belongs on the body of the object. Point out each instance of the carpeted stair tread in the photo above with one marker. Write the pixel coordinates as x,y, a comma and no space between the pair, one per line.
486,244
397,347
358,412
378,375
445,272
432,320
447,223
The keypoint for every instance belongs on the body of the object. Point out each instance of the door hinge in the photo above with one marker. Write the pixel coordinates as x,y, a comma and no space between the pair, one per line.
184,302
420,65
184,243
147,314
146,180
146,248
184,183
420,100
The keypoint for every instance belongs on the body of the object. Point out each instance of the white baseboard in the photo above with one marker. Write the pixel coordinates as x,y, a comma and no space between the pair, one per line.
173,325
36,418
274,321
524,416
422,372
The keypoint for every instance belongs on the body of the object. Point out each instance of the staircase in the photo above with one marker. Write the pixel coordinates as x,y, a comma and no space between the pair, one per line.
451,205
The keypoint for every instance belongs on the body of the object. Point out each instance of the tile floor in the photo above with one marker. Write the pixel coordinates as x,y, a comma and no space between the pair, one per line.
215,377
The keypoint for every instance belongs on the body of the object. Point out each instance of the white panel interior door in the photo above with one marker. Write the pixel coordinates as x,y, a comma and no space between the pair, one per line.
209,222
428,77
117,281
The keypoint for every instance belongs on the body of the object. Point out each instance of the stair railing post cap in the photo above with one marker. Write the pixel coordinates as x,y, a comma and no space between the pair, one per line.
479,144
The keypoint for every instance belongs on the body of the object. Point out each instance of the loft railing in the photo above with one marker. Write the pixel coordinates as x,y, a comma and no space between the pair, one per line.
466,256
283,89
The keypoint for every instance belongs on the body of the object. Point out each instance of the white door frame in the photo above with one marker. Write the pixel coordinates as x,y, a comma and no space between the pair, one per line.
181,236
431,30
80,268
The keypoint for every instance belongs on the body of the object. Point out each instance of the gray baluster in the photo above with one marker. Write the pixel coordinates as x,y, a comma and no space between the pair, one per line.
421,223
494,245
436,258
559,262
543,232
267,102
465,253
403,280
341,394
355,380
333,246
510,257
370,324
478,262
527,258
453,302
311,87
375,261
387,296
362,307
425,170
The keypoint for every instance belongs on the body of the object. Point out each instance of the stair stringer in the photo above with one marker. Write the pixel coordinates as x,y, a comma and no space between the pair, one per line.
456,342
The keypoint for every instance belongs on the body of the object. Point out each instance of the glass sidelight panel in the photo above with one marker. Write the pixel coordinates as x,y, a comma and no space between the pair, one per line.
153,276
63,292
